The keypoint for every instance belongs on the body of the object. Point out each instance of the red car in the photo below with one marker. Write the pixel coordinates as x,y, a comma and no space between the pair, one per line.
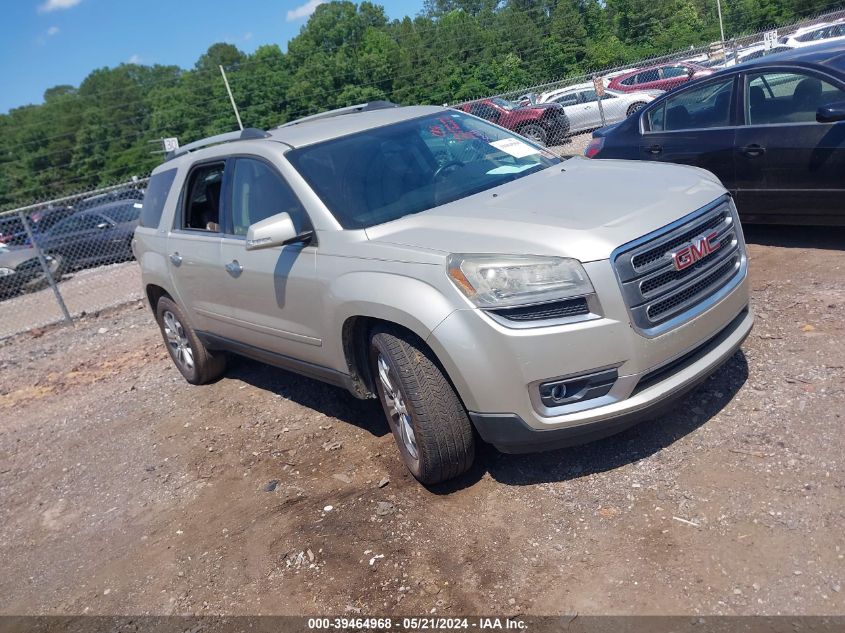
661,77
544,123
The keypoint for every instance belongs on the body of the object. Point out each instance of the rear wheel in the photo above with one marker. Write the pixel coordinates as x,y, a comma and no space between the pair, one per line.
634,107
192,359
536,133
428,420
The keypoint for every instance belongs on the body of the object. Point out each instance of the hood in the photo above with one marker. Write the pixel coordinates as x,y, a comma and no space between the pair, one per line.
580,208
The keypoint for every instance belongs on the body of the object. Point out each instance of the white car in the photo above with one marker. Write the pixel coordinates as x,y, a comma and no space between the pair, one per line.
581,105
809,35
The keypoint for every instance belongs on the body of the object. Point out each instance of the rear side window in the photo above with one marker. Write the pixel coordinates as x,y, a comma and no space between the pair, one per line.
154,199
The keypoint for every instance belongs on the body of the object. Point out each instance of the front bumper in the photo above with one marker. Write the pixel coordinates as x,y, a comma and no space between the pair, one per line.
497,370
510,434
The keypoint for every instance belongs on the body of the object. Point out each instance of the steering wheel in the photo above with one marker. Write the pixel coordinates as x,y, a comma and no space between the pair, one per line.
452,163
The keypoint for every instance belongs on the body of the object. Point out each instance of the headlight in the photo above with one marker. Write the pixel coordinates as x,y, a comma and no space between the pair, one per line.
5,272
497,281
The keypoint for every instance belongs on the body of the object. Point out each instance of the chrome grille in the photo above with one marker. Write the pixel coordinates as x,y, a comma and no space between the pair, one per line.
655,292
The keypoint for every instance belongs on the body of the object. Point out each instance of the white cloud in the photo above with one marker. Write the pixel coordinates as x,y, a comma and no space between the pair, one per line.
53,30
298,13
135,59
57,5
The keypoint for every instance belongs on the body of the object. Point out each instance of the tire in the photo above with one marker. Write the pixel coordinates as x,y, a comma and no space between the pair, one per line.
435,436
536,133
192,359
40,281
634,107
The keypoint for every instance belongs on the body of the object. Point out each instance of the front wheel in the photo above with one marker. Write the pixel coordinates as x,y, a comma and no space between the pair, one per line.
635,107
536,133
428,420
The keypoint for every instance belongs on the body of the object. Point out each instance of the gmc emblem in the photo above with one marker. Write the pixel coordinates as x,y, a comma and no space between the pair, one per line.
697,249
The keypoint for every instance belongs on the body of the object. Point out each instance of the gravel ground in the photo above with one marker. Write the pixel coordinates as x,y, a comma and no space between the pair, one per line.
125,490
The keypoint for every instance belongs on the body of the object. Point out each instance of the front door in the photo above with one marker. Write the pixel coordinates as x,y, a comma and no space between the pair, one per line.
193,248
272,294
790,168
694,127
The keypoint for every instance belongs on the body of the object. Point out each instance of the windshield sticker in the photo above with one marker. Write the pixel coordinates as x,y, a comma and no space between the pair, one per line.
510,169
514,147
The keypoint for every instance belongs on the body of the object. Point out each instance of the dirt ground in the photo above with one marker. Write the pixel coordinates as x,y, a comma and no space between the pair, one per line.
125,490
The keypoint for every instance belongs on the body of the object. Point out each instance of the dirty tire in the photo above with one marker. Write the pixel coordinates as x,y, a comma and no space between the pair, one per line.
203,366
536,133
442,432
635,107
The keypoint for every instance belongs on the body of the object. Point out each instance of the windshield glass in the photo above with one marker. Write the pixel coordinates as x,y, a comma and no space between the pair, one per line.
504,103
389,172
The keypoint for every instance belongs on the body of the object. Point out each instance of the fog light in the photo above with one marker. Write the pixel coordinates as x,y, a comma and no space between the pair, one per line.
577,388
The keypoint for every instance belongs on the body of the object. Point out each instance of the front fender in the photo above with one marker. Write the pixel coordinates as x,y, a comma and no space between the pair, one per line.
407,301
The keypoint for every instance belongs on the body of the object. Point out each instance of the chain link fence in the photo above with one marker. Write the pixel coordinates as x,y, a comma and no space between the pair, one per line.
66,257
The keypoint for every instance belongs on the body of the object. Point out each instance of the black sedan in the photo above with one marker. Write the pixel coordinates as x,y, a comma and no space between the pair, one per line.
773,131
101,235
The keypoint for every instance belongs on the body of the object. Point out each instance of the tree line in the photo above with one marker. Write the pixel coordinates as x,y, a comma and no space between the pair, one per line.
105,130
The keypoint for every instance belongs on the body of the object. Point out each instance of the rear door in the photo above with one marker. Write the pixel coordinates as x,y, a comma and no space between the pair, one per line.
272,296
193,247
790,168
695,126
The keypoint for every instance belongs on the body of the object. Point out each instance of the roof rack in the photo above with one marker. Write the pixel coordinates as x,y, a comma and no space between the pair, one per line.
361,107
239,135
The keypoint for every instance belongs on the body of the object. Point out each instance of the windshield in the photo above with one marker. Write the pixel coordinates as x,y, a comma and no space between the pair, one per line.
389,172
504,103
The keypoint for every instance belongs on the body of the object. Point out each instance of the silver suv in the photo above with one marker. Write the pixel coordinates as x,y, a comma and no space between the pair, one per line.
471,280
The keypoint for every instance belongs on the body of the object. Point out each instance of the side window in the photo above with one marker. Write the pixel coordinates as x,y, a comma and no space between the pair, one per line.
567,99
647,76
129,213
202,199
630,81
154,198
259,192
696,108
589,96
775,97
79,223
671,72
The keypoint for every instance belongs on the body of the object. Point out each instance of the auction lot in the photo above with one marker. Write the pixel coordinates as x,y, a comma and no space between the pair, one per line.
125,490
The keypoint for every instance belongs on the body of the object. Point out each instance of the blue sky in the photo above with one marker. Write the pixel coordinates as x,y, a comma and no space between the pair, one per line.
44,43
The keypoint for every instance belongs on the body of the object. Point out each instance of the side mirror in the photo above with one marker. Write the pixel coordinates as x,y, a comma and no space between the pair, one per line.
277,230
831,113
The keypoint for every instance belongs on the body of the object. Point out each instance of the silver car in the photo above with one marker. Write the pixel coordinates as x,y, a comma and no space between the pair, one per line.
581,104
475,283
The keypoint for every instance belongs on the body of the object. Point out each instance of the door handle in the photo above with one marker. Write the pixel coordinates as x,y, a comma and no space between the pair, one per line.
655,149
234,268
176,258
753,151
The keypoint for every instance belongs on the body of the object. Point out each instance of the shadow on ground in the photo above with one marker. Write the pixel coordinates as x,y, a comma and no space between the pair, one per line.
332,401
827,237
634,444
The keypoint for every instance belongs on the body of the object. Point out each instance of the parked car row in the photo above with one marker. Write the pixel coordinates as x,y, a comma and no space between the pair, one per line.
772,130
95,236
